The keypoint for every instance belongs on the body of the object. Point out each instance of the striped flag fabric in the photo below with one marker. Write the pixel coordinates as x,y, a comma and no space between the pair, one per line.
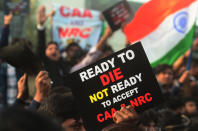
165,28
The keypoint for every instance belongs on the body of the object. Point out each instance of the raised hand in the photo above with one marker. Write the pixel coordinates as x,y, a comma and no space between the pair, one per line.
125,113
43,86
108,32
22,87
41,15
8,18
184,77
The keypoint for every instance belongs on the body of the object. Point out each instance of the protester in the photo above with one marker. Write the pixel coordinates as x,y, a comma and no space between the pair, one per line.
165,77
176,104
18,119
3,66
43,86
45,102
60,105
8,74
100,50
50,54
71,53
148,120
172,121
190,106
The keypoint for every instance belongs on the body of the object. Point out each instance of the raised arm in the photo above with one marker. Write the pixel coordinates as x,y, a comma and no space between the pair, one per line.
43,86
6,30
104,38
41,36
41,18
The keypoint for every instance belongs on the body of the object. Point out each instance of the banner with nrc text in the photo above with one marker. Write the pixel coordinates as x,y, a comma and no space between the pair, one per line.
74,24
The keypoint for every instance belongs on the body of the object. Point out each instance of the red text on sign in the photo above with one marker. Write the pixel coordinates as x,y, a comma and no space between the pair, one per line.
111,76
66,12
74,32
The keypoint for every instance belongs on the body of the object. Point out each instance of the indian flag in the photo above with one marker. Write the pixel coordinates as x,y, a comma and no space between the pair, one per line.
165,28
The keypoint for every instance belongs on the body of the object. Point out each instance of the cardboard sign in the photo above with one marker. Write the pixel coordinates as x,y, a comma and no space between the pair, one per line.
82,25
124,78
117,14
18,7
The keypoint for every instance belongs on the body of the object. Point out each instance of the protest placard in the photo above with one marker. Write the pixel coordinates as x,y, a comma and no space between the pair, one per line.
124,78
82,25
18,7
117,14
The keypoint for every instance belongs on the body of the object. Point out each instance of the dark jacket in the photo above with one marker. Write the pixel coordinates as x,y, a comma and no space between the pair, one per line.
3,66
57,69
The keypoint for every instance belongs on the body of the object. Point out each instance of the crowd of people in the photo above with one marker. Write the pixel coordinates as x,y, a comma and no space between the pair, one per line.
45,102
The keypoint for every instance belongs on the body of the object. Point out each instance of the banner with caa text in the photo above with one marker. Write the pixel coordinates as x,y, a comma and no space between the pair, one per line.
81,25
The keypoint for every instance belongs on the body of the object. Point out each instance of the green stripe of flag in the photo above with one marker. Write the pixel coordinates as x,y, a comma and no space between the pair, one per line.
177,51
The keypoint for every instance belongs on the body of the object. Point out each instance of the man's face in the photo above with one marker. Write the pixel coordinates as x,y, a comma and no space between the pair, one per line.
52,52
190,107
72,50
73,125
165,77
150,127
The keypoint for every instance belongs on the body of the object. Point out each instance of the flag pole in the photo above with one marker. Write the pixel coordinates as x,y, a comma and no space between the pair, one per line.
189,60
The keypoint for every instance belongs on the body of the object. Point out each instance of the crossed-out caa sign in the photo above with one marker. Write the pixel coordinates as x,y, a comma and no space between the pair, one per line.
124,78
